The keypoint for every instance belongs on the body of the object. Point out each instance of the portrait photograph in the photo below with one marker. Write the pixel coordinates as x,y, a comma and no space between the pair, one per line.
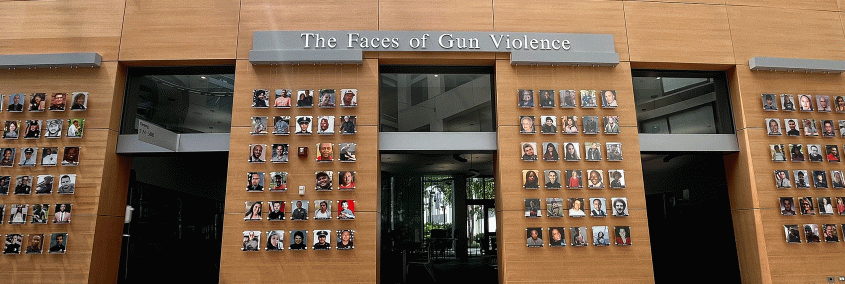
277,210
259,125
571,151
554,207
275,240
58,243
588,98
608,99
839,104
281,125
552,179
830,233
591,125
828,128
255,181
283,98
63,213
547,99
253,210
840,206
823,103
534,237
796,152
299,210
256,153
788,102
279,181
614,151
837,180
11,129
326,98
792,233
793,127
529,151
811,233
325,125
832,153
350,97
53,128
550,152
251,242
18,213
549,124
611,124
810,129
323,180
623,235
777,152
321,241
346,180
38,102
5,183
578,236
347,152
67,184
814,153
260,98
13,244
576,207
825,206
44,184
773,126
806,206
16,102
326,152
573,179
58,101
305,98
530,180
79,101
820,179
805,103
29,157
570,124
532,208
601,237
346,209
34,243
617,178
525,98
527,125
787,206
595,179
303,125
769,102
324,210
593,151
345,239
801,179
557,236
75,127
23,185
568,99
33,129
620,206
597,207
280,153
347,124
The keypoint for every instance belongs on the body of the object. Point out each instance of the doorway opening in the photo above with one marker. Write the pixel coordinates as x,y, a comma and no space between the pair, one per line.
438,217
689,217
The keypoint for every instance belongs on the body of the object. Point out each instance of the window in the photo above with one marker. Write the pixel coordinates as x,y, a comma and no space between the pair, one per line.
682,102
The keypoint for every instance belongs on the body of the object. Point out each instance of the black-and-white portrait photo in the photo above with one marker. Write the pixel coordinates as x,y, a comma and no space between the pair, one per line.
33,129
591,125
611,124
617,178
303,125
40,213
823,103
321,241
280,153
552,179
593,151
793,127
347,152
44,184
53,128
325,125
620,206
23,185
787,206
13,244
601,237
347,124
793,235
801,179
828,128
251,241
614,151
18,213
5,183
326,98
67,184
29,157
275,240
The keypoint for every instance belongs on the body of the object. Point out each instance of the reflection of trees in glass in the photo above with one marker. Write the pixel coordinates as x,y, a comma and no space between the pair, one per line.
438,199
477,188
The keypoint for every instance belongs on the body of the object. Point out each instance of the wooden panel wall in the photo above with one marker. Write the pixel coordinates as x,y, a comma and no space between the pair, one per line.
96,223
306,266
520,264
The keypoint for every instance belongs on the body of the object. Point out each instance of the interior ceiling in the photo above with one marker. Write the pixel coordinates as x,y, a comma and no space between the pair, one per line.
437,163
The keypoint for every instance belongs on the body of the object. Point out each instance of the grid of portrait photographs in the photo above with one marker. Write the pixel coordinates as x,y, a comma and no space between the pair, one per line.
824,177
323,239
